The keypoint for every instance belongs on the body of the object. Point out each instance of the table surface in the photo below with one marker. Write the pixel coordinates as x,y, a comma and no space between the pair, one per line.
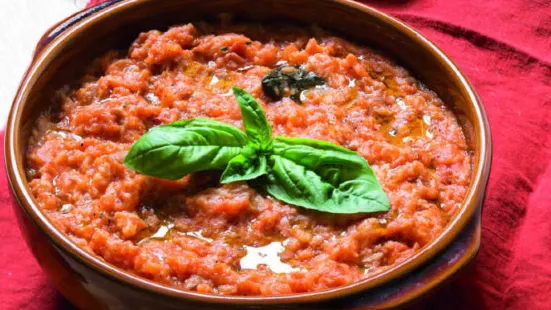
22,23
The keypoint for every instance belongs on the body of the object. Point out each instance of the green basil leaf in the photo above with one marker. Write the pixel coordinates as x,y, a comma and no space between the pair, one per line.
241,168
313,153
322,176
177,149
257,127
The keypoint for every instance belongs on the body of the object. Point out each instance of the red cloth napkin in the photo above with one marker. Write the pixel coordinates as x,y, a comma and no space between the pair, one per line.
504,48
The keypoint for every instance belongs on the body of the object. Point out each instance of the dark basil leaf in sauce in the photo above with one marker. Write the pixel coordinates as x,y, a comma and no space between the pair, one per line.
289,81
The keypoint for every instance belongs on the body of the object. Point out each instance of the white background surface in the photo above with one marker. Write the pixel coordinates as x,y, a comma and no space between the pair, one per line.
22,23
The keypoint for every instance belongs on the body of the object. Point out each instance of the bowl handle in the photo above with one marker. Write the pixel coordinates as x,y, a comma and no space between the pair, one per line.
67,23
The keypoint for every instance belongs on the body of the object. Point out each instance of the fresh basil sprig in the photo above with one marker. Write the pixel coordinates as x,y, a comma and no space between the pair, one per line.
309,173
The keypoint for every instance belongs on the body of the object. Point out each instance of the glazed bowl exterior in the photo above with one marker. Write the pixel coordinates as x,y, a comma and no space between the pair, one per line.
91,283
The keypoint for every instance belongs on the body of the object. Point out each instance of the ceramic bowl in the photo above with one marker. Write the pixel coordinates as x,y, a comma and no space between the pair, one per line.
91,283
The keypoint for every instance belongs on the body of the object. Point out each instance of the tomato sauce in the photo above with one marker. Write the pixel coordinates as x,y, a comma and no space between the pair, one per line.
198,235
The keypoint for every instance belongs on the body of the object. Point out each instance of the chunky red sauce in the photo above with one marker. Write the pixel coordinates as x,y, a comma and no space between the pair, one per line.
198,235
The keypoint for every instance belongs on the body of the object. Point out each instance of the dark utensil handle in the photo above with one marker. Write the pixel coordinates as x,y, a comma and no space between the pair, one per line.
67,23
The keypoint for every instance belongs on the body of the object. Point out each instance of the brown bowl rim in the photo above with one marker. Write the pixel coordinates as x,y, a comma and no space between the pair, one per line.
17,179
